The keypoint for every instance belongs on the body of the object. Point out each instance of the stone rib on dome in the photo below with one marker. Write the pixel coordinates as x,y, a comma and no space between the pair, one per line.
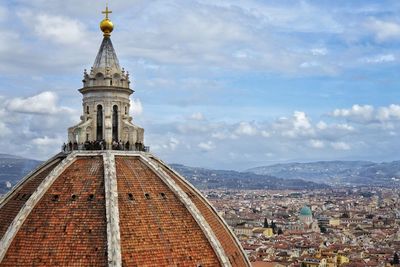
106,57
113,208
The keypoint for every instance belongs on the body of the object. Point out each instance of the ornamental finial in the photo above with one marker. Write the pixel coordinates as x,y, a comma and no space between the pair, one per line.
106,25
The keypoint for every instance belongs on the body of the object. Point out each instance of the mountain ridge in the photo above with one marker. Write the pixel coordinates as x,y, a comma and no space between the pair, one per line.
336,172
204,178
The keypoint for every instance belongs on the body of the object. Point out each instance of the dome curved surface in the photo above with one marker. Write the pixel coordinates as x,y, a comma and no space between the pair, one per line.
112,209
305,211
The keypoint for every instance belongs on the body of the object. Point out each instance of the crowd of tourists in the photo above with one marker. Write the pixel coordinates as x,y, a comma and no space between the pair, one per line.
102,145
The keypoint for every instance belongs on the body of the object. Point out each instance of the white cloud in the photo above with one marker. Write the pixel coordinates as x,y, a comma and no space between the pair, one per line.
301,121
198,116
265,134
219,135
4,130
319,51
340,146
47,141
245,128
368,114
136,107
60,29
380,58
317,143
206,146
356,113
43,103
310,64
296,126
384,30
322,125
173,143
391,112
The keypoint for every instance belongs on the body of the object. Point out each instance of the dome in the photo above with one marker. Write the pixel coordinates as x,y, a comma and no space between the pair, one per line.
305,211
112,208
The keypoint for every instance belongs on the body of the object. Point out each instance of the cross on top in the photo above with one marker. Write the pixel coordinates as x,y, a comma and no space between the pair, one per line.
107,12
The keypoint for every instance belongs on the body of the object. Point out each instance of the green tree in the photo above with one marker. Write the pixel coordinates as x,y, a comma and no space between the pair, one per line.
273,226
266,223
396,259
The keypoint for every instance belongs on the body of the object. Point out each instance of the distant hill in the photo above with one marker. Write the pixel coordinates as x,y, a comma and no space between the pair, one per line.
337,172
212,179
279,176
12,169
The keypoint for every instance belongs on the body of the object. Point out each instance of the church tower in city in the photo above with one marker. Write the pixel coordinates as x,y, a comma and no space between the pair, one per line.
105,200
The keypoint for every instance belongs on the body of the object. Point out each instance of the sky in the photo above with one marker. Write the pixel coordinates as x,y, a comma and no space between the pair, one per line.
218,84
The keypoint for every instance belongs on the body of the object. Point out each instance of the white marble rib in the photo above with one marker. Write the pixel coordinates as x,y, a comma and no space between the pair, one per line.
112,211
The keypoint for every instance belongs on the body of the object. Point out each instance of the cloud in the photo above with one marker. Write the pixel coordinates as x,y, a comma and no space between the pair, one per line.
4,130
319,51
392,112
245,128
44,103
369,114
358,113
198,116
34,127
60,29
136,107
384,30
252,36
317,143
206,146
172,144
46,141
265,134
385,58
294,137
340,146
296,126
322,125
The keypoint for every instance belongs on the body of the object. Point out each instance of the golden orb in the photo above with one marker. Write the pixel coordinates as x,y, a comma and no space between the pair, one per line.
106,26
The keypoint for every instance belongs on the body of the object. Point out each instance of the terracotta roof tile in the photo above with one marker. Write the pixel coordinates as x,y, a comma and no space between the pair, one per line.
63,231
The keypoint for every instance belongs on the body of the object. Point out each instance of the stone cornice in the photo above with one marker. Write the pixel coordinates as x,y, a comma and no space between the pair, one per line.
106,88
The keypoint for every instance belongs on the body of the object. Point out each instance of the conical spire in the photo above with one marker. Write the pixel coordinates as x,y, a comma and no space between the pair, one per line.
106,57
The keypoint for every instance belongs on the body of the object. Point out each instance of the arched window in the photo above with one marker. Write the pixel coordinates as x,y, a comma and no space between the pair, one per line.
115,123
126,110
99,122
99,76
87,109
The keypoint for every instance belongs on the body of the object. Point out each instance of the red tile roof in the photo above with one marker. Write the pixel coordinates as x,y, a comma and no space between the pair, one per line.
68,223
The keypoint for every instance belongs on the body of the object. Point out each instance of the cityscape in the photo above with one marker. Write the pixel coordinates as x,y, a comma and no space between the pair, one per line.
228,133
332,227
